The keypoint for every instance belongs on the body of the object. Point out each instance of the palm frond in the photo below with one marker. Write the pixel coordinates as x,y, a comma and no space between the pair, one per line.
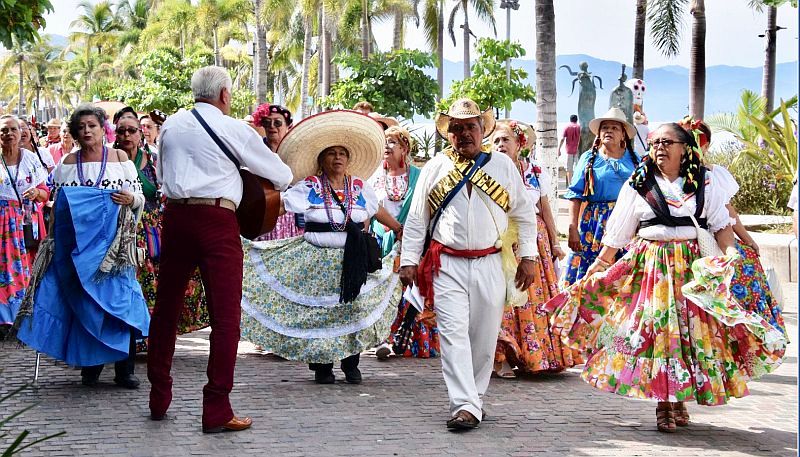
666,22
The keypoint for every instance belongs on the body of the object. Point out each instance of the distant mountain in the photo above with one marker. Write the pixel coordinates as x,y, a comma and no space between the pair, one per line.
667,95
58,41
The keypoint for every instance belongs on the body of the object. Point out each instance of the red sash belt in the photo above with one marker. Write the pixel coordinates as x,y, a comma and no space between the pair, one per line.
432,261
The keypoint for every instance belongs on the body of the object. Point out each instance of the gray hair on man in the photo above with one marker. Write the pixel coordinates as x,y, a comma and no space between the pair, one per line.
207,82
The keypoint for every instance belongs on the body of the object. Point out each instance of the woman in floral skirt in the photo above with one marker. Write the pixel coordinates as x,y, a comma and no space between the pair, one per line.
660,322
394,184
525,340
605,167
148,236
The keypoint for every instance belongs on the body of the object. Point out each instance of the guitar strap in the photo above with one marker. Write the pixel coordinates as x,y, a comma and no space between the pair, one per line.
216,138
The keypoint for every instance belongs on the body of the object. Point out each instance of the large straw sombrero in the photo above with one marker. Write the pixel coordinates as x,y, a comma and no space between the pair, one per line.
360,134
464,108
613,114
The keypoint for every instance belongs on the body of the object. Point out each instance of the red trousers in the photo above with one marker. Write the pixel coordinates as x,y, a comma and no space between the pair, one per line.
206,237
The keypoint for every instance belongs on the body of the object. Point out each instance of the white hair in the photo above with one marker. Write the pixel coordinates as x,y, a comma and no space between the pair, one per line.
207,82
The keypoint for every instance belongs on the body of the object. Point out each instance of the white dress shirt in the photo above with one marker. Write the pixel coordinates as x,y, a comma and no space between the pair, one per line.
192,165
632,208
472,220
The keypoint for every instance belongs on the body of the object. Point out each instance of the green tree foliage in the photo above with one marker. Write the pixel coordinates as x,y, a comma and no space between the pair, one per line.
394,82
766,139
21,20
488,85
165,81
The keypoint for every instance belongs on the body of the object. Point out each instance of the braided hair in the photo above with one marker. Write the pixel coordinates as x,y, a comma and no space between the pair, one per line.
588,181
691,161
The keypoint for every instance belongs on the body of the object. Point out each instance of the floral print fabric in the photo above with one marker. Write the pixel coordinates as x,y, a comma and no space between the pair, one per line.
751,289
662,331
14,264
425,335
290,302
525,339
591,229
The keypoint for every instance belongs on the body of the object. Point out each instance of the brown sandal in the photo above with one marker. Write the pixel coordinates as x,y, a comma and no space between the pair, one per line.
681,414
463,420
665,420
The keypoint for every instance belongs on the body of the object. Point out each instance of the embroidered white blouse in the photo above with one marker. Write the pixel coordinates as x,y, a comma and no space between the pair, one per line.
305,198
536,182
31,173
632,208
397,185
117,176
471,220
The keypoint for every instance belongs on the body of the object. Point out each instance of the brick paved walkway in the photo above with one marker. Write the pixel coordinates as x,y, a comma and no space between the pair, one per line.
399,410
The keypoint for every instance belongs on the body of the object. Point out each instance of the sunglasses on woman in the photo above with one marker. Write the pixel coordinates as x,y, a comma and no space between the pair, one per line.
130,131
267,123
664,142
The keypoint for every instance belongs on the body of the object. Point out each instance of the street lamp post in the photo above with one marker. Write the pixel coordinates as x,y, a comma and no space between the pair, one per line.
508,5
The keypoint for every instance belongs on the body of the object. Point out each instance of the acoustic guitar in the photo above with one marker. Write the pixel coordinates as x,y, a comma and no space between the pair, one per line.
258,211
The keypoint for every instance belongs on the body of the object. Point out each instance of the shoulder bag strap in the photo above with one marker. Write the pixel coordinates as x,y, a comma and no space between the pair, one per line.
216,138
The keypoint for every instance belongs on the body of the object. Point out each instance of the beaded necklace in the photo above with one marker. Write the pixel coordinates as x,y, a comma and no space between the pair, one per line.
398,192
102,168
328,199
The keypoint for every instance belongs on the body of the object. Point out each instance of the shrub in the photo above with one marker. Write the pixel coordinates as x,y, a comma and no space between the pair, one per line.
761,190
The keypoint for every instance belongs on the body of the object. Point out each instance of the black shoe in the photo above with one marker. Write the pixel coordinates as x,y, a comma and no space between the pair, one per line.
324,376
90,375
352,376
128,381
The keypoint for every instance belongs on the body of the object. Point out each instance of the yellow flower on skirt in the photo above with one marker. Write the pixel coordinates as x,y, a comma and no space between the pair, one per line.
618,362
602,381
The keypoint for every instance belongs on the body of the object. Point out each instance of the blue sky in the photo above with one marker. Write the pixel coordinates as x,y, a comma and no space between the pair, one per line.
601,28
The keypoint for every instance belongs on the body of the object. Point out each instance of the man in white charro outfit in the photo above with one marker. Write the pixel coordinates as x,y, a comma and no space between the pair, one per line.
463,202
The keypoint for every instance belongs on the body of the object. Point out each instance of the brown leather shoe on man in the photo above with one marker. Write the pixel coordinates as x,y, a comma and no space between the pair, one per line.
463,420
234,425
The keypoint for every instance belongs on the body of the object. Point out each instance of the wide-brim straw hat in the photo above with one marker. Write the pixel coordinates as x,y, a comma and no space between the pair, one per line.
613,114
464,108
387,121
360,134
54,122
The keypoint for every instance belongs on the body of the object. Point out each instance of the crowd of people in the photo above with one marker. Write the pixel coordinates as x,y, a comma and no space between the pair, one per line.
116,245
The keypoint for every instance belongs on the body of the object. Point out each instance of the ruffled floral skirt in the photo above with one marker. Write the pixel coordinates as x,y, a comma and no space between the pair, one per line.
591,229
290,302
424,342
525,340
195,310
663,331
14,262
751,289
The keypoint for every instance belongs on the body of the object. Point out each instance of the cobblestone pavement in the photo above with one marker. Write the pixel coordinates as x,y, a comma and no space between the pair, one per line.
399,410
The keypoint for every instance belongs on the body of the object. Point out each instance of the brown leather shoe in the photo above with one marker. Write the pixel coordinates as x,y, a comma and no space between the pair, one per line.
463,420
234,425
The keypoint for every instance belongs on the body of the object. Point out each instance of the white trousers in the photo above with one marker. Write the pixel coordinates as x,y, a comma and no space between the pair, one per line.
469,295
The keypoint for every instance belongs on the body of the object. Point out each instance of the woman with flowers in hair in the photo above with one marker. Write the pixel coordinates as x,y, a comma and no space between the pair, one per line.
605,167
276,120
660,322
394,184
749,284
525,340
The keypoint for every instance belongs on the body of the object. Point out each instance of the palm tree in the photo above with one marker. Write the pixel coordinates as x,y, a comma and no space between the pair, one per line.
768,80
97,26
133,15
173,22
638,39
260,40
697,66
214,14
546,127
484,9
19,57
